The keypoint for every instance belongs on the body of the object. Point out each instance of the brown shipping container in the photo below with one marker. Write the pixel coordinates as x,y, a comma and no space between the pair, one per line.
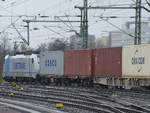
108,62
78,62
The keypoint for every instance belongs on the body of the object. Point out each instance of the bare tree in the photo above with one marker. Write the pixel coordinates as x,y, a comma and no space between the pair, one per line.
5,48
5,44
41,47
57,45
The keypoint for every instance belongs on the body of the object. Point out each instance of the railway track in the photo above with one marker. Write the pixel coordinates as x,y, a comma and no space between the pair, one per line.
26,107
105,93
137,95
95,91
91,106
85,99
54,99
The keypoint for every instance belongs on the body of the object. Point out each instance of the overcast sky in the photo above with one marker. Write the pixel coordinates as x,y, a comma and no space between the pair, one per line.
53,8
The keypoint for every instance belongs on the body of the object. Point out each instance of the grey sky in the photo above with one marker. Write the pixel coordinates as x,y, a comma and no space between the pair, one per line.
53,8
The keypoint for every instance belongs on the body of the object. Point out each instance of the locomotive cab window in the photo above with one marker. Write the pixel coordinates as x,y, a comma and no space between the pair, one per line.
32,60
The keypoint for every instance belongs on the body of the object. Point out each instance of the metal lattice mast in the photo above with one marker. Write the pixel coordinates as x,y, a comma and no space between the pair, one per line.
85,25
81,26
138,23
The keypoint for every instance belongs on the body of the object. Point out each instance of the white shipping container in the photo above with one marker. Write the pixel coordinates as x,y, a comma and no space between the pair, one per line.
136,61
52,63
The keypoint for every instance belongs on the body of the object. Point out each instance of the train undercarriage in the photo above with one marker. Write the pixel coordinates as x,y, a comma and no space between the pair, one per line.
126,83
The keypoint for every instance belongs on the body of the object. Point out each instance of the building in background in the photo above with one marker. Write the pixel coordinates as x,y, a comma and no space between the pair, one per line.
76,41
126,37
130,29
115,39
91,41
102,42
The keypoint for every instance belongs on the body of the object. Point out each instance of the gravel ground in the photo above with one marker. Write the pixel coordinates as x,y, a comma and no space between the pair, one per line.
67,109
126,97
4,109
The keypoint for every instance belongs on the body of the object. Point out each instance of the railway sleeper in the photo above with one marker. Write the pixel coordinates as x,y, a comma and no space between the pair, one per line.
67,103
128,110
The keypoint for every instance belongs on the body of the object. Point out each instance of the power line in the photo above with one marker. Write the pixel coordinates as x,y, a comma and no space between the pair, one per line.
145,9
133,1
117,27
115,17
54,31
10,24
69,22
16,3
52,21
147,2
64,22
20,36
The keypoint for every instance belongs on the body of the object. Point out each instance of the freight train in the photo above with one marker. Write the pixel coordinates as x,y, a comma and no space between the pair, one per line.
120,66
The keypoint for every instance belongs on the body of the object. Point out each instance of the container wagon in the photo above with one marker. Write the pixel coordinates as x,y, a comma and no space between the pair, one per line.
127,66
107,65
119,66
136,65
78,66
51,66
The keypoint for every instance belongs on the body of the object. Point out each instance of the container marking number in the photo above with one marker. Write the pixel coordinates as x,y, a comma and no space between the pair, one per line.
50,63
138,60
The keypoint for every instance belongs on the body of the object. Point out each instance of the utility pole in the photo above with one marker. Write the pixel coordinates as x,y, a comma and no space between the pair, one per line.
85,25
16,46
81,24
28,31
85,20
138,23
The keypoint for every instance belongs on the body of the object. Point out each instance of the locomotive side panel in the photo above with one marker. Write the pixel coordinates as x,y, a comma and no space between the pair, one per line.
6,69
21,66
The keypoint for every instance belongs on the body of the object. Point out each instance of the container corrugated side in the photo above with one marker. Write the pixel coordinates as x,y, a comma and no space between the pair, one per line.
52,63
108,62
136,61
78,62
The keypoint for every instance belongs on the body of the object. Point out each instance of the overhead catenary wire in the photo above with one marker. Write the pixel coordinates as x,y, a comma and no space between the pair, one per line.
147,2
10,24
95,4
69,22
71,28
145,9
54,31
115,17
106,20
16,3
5,9
133,1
